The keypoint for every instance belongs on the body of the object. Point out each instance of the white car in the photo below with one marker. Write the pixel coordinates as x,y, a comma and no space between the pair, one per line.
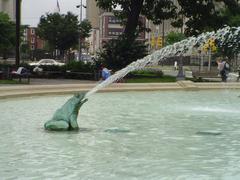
46,62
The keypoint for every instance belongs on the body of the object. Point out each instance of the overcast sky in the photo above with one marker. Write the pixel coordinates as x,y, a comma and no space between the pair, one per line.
33,9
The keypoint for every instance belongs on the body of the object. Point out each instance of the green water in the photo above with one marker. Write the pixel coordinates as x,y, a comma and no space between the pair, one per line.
135,135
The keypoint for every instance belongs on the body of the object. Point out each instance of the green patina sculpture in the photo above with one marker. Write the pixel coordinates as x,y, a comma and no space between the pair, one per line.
65,118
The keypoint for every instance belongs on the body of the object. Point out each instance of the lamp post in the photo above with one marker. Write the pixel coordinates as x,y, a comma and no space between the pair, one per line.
80,20
180,75
18,23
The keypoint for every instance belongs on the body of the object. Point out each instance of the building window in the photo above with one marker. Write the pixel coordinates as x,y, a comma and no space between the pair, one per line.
32,47
32,40
114,20
114,32
32,31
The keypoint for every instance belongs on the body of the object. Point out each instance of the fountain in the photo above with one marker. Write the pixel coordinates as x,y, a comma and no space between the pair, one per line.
169,134
185,47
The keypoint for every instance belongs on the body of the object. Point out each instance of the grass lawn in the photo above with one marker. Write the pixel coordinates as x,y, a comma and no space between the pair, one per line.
151,79
5,81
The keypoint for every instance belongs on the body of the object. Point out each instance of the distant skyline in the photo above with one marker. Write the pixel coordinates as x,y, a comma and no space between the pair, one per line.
32,10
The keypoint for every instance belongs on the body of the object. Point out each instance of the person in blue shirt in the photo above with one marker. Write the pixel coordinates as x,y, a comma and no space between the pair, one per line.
105,73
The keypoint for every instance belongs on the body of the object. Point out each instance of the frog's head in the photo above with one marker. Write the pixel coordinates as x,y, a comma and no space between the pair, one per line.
79,100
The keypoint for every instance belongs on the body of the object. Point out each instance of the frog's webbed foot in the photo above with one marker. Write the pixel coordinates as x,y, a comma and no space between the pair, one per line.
59,125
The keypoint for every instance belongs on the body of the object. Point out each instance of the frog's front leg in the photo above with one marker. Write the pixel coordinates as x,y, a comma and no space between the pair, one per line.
73,122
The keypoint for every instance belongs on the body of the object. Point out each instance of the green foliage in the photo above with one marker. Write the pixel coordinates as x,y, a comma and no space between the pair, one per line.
146,73
61,31
6,81
80,67
154,10
148,76
7,34
164,79
85,28
205,15
118,53
53,68
201,15
174,37
232,18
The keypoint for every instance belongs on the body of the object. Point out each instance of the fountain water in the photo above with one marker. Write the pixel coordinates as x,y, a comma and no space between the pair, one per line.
183,48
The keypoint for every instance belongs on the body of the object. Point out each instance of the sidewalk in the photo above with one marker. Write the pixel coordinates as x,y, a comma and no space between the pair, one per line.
59,81
35,81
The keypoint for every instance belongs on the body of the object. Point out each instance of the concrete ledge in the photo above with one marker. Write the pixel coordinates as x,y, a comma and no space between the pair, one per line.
35,90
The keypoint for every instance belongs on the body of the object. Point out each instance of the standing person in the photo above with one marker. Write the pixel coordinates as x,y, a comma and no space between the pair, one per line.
105,73
222,69
175,65
238,69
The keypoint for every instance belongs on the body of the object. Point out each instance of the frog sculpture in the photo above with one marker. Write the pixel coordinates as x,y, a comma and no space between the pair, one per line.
65,118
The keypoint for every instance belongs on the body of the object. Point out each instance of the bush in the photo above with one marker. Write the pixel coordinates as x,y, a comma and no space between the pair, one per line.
118,53
53,68
153,73
80,67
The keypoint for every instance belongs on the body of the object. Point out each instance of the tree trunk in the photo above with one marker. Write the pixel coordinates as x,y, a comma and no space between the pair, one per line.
132,19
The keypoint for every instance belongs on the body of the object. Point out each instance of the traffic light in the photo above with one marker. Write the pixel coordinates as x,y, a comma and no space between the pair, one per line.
210,45
159,42
87,44
153,42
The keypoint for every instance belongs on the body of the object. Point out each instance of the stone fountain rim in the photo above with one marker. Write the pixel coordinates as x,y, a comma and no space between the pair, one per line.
39,90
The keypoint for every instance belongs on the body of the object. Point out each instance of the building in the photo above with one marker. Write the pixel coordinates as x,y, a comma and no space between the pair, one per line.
92,14
9,7
33,41
111,27
156,38
106,26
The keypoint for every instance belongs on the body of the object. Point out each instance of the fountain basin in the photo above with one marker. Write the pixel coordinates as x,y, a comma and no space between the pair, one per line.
36,90
127,135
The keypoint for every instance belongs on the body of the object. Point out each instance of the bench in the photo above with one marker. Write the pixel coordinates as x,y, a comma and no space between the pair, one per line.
200,75
20,74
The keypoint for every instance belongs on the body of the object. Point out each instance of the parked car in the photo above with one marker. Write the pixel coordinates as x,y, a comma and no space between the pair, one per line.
43,62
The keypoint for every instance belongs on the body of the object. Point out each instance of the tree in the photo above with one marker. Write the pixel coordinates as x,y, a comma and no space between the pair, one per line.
201,15
205,15
174,37
61,31
7,34
85,29
121,52
155,10
118,53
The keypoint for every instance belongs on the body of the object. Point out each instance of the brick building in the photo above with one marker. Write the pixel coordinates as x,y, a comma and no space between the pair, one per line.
111,27
32,39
